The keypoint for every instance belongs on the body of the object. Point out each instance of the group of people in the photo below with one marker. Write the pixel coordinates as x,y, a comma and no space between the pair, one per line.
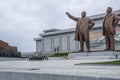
84,24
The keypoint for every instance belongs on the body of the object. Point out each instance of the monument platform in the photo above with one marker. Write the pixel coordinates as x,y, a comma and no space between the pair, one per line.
94,55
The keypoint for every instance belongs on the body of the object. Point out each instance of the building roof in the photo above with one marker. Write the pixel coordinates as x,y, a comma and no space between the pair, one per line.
51,30
6,46
3,42
100,16
38,39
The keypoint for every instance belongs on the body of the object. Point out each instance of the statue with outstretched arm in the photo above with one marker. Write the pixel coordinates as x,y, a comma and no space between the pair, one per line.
83,26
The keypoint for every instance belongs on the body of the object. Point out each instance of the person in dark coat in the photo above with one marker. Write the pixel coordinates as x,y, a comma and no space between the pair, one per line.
83,26
109,23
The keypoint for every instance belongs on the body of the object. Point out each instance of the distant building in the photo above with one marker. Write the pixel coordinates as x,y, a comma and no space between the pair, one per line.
56,40
8,51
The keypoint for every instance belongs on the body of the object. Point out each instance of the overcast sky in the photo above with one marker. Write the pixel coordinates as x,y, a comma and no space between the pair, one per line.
22,20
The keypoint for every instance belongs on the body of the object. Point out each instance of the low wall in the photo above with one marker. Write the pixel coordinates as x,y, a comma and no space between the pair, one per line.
11,59
39,76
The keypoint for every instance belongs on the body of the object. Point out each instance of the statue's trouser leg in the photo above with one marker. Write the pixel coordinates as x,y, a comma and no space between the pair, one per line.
88,45
87,40
81,42
112,42
107,40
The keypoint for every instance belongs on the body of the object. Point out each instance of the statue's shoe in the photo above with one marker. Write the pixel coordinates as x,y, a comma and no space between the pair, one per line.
88,51
106,49
81,51
112,49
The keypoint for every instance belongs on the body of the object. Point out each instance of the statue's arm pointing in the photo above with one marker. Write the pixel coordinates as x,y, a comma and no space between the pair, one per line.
71,17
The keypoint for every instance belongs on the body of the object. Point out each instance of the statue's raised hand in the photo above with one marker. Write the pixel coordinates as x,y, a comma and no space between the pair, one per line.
67,13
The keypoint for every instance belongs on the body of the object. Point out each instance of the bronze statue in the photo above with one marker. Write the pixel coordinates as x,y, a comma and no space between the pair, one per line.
109,23
82,30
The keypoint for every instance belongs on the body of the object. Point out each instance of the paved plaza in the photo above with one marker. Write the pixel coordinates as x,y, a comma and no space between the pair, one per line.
61,67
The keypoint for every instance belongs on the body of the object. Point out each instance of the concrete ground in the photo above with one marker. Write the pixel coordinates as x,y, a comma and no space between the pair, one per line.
64,67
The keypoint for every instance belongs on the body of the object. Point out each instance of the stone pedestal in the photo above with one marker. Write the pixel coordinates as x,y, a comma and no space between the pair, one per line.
95,55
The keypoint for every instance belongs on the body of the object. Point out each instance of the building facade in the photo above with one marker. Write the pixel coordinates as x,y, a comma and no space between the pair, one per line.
56,40
8,51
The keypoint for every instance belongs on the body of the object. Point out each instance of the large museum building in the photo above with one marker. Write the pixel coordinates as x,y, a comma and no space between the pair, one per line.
56,40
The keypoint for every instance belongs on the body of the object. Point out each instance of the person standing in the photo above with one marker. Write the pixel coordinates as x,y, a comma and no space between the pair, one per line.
83,26
109,23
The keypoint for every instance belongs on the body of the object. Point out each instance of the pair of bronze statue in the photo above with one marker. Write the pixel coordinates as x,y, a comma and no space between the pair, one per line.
84,24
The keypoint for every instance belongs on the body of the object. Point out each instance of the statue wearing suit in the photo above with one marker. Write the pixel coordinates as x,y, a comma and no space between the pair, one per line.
109,23
82,30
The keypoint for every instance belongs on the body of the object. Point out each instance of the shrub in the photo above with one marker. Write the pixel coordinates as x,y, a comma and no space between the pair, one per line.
60,54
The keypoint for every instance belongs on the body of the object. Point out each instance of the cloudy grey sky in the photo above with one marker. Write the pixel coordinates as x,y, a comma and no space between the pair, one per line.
23,20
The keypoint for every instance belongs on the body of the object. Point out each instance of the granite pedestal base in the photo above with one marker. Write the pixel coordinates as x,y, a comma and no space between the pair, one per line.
94,55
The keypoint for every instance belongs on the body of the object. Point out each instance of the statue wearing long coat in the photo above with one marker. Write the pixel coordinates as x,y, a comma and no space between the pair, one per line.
109,23
82,30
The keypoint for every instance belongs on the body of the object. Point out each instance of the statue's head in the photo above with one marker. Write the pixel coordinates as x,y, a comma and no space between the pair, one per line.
109,10
83,14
